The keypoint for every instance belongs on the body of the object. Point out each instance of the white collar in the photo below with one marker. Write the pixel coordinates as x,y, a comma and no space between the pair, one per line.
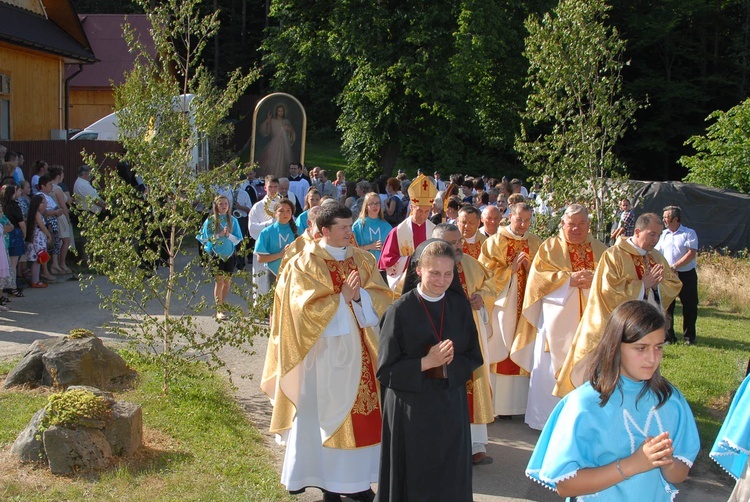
427,297
338,253
640,250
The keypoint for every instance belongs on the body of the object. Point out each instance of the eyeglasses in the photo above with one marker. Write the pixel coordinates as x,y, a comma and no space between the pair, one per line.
373,204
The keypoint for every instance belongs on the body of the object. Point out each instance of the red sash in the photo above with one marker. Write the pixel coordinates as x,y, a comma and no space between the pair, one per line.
581,257
473,250
515,247
366,416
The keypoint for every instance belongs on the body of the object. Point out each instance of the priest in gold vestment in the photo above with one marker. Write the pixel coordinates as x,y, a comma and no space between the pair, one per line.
630,270
556,294
467,222
478,286
321,360
508,255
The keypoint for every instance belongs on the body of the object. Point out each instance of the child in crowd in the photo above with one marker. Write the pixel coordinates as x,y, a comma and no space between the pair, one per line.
732,447
274,239
37,237
627,433
220,235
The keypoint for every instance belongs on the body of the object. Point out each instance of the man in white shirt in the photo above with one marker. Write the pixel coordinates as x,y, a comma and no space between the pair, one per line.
298,185
85,194
260,216
679,245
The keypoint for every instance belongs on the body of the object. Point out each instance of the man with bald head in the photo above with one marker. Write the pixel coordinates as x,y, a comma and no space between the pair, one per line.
491,217
508,255
557,289
630,270
468,224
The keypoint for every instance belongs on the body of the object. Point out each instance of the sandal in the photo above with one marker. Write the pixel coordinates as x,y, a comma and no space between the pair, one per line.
17,292
4,300
38,285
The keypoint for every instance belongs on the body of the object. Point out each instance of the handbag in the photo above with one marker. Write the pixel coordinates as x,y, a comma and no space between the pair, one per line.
42,256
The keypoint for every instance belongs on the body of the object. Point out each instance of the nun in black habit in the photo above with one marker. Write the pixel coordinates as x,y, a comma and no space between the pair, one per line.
428,350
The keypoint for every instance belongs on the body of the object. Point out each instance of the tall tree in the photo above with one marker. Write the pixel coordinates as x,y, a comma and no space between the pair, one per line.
722,154
160,131
432,82
575,112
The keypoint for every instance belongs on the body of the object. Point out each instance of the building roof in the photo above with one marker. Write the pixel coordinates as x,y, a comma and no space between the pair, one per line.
104,32
58,34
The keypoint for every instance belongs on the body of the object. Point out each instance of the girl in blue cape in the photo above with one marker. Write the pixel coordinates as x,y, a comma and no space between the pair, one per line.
732,447
627,433
275,238
219,235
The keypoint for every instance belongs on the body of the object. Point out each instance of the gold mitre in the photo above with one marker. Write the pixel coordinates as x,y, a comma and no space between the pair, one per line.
422,191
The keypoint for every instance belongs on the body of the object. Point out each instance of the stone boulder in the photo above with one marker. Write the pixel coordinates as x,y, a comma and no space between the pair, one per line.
72,450
124,432
28,446
63,362
90,445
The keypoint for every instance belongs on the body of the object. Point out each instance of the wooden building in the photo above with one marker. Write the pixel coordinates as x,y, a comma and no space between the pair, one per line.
91,96
38,38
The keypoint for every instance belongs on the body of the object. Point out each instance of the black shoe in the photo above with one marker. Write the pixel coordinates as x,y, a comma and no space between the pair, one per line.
365,496
330,496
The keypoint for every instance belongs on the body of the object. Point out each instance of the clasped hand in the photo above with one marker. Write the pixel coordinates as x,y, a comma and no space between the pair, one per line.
350,288
439,354
653,452
522,259
581,279
653,277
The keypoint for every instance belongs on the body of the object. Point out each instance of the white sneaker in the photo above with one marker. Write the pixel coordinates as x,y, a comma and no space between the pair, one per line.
220,316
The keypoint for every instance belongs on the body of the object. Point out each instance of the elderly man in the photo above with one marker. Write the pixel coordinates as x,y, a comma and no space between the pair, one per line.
85,195
679,245
321,361
630,270
286,193
468,225
556,293
326,187
410,233
477,284
508,255
491,217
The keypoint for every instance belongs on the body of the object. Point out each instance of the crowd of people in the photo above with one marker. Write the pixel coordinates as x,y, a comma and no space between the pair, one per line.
36,226
409,314
463,316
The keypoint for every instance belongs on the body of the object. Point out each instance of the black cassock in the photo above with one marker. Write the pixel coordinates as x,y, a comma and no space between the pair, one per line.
426,445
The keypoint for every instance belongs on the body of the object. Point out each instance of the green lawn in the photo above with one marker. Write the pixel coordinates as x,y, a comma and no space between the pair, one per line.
200,447
325,153
709,372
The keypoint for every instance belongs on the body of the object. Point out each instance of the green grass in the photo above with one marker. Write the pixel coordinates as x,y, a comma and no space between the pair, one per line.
200,447
710,371
326,153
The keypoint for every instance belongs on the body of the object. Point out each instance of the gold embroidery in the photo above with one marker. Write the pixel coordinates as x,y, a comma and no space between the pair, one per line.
367,396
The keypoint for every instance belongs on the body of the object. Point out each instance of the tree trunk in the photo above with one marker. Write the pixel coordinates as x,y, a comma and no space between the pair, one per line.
388,156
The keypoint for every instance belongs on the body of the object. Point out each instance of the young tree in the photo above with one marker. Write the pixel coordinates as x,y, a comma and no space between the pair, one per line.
162,132
722,154
575,112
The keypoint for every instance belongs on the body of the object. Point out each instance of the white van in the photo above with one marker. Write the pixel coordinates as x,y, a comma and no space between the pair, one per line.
106,129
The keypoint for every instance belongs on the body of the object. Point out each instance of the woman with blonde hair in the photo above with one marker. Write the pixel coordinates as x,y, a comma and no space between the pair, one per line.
220,235
312,199
370,229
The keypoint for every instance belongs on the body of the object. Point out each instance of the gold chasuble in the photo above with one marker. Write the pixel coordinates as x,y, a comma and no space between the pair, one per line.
474,249
617,279
498,253
475,278
306,300
295,247
553,264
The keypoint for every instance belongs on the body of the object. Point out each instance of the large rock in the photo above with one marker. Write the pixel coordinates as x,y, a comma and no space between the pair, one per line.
28,446
69,361
124,431
69,451
31,368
